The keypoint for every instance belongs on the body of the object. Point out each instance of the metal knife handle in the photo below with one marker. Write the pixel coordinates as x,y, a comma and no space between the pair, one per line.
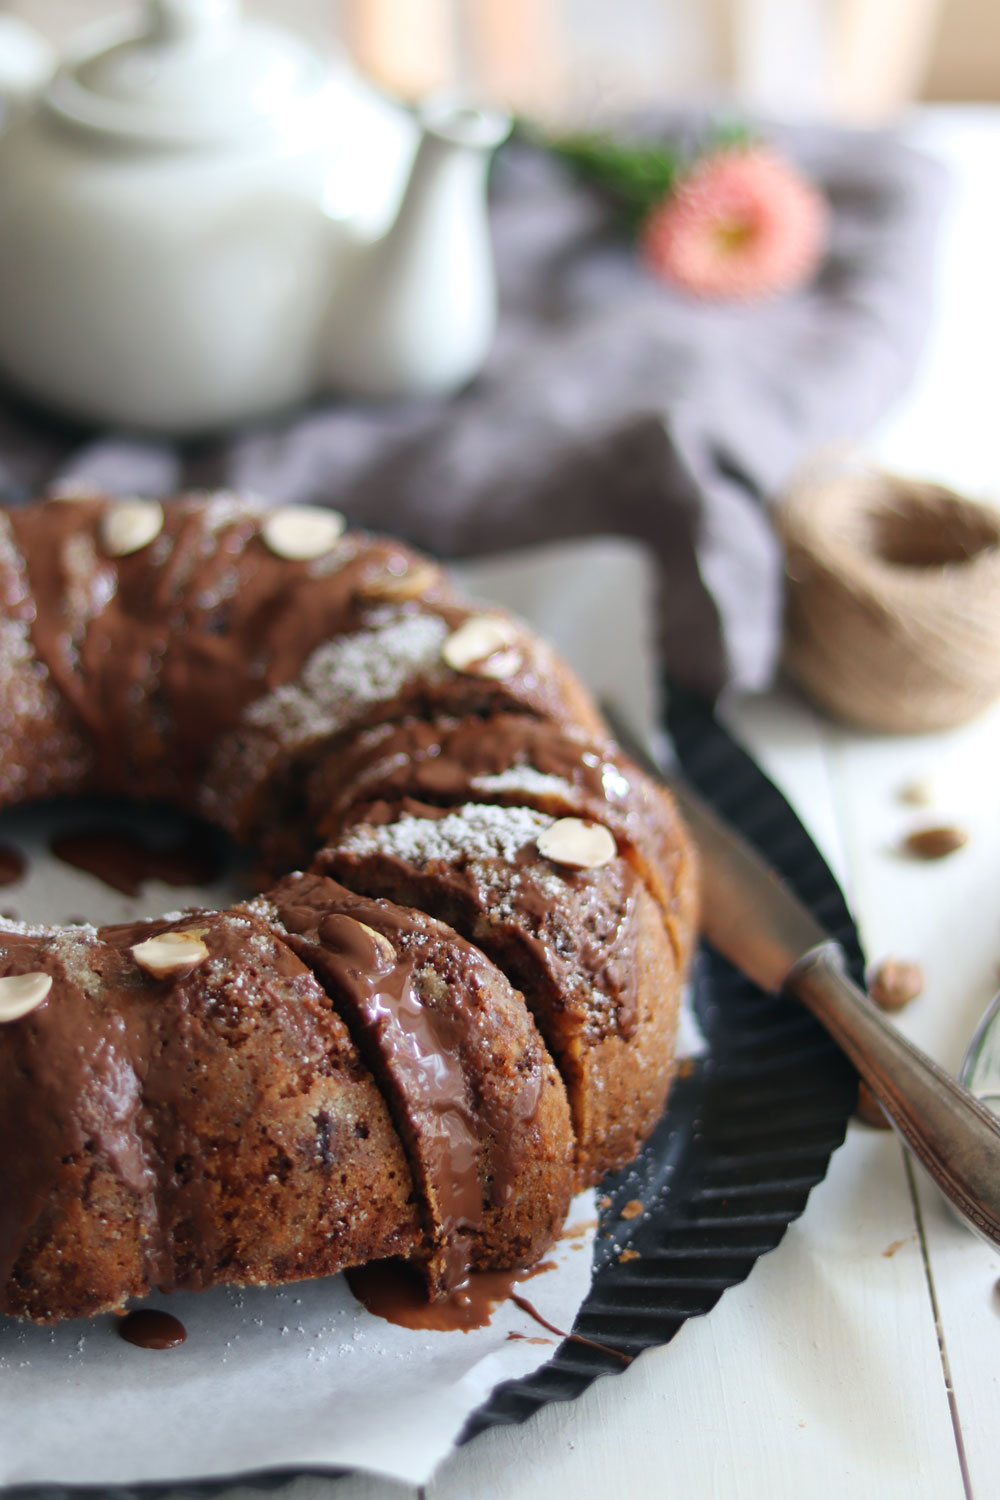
955,1137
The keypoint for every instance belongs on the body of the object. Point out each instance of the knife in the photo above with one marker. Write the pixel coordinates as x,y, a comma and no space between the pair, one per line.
753,919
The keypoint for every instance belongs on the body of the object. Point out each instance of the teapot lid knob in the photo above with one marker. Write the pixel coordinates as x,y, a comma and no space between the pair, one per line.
190,20
192,73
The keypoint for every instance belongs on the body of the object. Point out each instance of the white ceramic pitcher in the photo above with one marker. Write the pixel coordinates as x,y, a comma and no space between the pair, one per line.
202,222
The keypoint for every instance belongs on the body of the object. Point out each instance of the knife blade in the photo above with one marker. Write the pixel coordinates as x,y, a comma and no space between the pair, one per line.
753,919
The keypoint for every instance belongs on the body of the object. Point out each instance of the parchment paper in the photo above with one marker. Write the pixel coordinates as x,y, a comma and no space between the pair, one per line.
302,1375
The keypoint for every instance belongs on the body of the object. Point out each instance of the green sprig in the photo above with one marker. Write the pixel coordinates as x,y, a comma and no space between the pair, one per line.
635,175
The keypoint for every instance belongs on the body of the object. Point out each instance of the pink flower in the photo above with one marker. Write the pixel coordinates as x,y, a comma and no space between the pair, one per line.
741,224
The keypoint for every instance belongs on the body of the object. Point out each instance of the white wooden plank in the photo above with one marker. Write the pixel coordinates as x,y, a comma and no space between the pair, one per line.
789,742
942,912
947,429
819,1376
946,916
965,1273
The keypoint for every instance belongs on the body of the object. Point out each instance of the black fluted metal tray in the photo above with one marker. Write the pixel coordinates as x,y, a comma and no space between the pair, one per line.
749,1131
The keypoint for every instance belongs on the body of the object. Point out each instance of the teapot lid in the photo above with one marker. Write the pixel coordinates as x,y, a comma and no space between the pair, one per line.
193,73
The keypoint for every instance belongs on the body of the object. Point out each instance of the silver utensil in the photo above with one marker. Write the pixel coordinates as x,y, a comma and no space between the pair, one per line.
980,1069
755,921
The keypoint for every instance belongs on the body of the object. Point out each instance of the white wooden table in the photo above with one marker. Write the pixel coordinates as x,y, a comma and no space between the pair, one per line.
862,1357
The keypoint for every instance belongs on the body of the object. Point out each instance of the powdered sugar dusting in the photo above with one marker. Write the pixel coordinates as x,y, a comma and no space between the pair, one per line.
343,552
215,512
477,831
524,779
91,583
263,909
24,689
10,927
344,677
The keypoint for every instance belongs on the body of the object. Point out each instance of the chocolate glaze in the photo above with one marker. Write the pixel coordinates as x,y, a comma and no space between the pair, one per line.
157,655
420,1052
12,865
438,761
543,925
125,861
71,1087
390,1289
149,1329
393,1291
446,760
160,651
116,1088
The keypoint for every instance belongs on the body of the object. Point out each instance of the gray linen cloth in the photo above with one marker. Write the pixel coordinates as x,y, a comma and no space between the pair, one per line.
610,403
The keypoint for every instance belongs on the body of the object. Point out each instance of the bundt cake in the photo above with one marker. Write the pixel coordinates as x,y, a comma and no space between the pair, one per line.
419,1049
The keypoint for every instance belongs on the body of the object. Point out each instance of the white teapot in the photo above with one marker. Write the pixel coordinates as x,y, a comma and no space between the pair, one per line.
201,222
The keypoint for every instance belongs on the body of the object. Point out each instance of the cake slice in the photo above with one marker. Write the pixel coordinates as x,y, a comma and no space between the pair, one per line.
420,658
517,760
184,1126
574,928
474,1094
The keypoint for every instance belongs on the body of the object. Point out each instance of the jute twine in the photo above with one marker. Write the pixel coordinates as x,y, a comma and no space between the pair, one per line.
893,612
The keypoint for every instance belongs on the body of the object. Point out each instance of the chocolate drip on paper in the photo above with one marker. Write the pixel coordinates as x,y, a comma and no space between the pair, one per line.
150,1329
126,861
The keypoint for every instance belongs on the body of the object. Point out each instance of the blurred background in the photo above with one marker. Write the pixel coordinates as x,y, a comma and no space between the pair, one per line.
857,61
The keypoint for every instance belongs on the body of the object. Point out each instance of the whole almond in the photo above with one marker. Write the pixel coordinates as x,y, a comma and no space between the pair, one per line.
935,843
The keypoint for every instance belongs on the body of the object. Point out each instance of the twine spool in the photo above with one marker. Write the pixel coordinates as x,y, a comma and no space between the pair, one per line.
893,612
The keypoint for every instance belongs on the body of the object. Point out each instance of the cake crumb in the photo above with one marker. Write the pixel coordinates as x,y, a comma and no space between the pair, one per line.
917,793
628,1254
632,1209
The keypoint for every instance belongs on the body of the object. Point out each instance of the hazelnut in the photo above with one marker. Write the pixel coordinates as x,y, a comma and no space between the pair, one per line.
895,983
